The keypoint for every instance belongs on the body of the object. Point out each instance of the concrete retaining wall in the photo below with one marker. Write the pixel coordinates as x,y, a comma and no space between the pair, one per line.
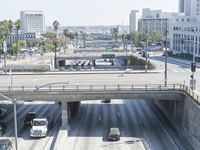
185,115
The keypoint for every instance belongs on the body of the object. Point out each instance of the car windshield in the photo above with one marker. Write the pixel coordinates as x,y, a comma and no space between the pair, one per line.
39,123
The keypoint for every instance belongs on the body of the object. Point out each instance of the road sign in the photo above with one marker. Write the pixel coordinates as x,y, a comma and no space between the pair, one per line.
193,67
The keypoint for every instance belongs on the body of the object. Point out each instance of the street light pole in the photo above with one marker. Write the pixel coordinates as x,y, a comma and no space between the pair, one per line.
14,101
166,58
15,122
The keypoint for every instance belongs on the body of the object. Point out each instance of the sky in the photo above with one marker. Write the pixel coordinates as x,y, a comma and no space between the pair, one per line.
84,12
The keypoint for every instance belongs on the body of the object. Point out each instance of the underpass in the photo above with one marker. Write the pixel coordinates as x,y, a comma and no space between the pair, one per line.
179,100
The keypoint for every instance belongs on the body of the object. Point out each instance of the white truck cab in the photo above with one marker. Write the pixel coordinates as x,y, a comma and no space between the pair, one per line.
39,127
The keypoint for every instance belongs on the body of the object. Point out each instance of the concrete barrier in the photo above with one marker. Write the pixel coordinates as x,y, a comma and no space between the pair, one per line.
185,115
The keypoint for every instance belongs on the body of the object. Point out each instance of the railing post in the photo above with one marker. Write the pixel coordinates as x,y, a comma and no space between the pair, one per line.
174,86
9,88
36,87
118,87
90,87
77,88
63,88
23,88
146,87
160,87
132,87
180,87
49,88
193,94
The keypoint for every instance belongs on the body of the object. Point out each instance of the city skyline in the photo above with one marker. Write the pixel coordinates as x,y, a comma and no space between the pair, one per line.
73,13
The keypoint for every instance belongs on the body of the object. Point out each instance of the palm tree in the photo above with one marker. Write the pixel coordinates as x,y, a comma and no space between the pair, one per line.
55,27
10,26
66,34
18,27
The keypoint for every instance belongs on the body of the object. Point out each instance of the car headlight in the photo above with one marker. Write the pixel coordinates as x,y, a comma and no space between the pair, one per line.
44,131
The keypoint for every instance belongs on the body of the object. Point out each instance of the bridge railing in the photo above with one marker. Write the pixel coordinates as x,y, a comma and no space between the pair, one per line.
103,88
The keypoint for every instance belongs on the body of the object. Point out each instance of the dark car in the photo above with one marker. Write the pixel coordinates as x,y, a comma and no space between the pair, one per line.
114,134
29,118
2,128
106,101
3,113
5,144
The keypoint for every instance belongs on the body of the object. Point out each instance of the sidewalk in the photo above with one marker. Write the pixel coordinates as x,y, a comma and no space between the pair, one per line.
87,72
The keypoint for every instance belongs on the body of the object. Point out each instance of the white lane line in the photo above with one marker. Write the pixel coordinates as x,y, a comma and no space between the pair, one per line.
182,70
99,117
175,71
118,113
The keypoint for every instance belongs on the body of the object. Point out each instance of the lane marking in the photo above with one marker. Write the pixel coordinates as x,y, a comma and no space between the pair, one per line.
118,113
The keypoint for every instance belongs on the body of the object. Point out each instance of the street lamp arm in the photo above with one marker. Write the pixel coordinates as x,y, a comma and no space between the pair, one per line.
38,88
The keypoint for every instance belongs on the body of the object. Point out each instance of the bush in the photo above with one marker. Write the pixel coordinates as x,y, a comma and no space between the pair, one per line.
40,69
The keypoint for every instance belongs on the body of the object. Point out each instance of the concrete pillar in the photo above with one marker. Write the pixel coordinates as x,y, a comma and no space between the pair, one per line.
64,115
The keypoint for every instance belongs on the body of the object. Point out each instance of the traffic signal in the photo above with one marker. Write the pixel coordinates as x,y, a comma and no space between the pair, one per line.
193,67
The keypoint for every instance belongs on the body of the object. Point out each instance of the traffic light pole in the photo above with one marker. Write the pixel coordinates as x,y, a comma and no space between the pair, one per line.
193,86
166,58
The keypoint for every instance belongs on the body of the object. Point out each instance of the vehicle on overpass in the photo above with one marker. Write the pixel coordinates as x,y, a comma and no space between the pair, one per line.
106,101
41,126
114,134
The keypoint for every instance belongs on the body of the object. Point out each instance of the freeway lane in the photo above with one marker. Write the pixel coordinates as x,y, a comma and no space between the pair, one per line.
136,119
42,109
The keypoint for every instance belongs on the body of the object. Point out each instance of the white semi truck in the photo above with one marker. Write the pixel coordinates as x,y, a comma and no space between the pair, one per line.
40,127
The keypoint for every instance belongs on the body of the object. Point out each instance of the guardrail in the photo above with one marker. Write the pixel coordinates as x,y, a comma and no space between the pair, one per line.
65,87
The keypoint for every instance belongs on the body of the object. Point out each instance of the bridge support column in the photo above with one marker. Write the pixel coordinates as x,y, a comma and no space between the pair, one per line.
64,115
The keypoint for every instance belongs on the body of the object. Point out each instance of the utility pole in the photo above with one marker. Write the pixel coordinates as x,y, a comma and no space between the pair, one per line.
166,57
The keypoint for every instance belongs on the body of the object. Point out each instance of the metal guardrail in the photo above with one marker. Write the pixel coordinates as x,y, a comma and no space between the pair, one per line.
65,87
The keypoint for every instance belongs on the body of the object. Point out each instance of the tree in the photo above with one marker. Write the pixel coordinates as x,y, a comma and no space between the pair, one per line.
4,31
155,36
55,27
10,27
66,35
18,27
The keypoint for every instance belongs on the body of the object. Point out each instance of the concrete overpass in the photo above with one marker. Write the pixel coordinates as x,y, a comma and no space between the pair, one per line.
178,102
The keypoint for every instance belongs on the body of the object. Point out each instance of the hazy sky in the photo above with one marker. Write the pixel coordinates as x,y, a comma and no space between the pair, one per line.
84,12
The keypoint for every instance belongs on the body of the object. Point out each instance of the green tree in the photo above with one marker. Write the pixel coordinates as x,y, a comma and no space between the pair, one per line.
18,27
4,31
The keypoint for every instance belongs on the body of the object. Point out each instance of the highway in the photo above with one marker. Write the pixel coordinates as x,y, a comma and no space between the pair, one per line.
88,129
137,120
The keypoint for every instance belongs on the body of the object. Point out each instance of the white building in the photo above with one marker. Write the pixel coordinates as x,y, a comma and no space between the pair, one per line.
184,29
132,20
33,21
154,20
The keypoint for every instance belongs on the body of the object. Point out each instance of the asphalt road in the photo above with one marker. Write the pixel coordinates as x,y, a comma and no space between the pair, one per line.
137,120
25,142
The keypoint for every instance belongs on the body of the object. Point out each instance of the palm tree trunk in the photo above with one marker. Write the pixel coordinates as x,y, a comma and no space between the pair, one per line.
17,43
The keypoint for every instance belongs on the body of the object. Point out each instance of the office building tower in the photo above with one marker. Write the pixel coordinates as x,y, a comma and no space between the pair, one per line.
32,21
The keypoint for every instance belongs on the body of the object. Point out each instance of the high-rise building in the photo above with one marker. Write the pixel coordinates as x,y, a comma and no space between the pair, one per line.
32,21
185,29
189,7
154,20
181,6
132,20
